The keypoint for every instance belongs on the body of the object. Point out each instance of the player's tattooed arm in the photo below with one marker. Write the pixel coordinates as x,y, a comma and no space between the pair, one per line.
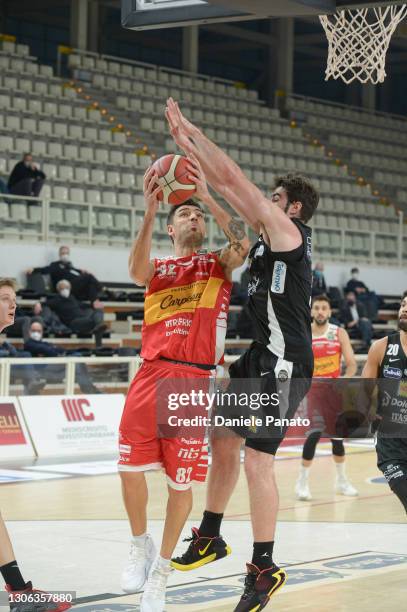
234,254
141,269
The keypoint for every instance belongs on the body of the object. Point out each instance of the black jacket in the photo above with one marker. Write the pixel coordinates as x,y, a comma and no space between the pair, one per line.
21,172
67,309
58,270
346,316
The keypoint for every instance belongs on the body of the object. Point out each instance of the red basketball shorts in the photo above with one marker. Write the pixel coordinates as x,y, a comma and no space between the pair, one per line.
324,406
142,444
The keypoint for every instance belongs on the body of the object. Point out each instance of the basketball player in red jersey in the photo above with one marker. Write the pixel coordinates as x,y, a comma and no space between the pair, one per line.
22,596
185,318
330,344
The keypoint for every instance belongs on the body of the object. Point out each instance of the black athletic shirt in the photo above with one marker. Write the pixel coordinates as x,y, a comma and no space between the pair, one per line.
280,298
393,388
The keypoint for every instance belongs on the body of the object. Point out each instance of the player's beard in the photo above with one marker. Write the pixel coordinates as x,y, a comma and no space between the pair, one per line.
403,325
321,323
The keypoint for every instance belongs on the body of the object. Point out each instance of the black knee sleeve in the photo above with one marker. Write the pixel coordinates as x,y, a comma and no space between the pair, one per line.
338,448
310,445
399,487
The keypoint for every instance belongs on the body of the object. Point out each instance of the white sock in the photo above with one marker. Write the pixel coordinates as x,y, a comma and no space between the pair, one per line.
340,471
163,563
139,539
304,472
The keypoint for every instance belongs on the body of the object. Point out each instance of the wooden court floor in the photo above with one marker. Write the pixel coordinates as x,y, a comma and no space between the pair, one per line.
330,523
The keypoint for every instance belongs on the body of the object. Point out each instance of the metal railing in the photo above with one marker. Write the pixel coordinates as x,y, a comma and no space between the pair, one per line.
70,363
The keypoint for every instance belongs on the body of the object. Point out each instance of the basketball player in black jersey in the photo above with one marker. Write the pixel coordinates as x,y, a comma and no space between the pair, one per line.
279,301
387,363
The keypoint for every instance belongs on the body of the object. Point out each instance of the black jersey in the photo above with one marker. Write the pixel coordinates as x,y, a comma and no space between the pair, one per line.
392,397
280,298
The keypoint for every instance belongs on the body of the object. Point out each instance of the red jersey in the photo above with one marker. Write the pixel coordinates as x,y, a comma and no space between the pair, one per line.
327,353
185,310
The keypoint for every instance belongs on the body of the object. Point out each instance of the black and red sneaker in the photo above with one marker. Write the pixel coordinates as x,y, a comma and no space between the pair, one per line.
259,586
202,550
33,600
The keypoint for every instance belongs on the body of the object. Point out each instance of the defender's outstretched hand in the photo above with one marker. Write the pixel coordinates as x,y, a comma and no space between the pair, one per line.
181,129
197,176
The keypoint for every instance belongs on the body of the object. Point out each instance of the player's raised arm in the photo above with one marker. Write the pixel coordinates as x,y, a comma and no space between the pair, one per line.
141,269
234,254
347,353
226,177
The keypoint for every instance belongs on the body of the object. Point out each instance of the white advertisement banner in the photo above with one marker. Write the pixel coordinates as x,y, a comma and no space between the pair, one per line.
73,425
14,438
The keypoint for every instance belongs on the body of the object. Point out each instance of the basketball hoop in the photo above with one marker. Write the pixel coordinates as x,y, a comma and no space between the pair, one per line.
358,40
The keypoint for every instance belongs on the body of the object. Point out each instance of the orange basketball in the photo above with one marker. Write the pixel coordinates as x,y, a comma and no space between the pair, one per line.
173,177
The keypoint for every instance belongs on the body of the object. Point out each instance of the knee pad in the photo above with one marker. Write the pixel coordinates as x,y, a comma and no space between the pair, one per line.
399,487
310,445
338,448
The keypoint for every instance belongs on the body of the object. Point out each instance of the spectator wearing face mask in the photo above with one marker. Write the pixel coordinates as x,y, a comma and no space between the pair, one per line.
369,298
26,179
84,285
77,316
353,315
38,347
318,280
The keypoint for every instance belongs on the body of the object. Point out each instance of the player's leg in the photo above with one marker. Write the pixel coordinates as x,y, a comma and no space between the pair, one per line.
302,490
399,487
15,583
179,506
342,486
139,451
264,578
206,544
142,549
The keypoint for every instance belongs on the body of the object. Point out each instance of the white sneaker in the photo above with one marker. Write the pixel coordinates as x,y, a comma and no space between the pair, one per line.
140,560
344,487
302,490
153,599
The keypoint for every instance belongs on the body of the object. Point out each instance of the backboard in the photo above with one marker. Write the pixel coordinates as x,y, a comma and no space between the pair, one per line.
150,14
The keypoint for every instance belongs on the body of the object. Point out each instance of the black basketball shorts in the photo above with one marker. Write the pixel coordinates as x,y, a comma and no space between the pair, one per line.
260,371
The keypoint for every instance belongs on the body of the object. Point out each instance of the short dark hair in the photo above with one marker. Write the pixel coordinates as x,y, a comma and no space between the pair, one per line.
321,298
404,295
354,270
299,189
189,202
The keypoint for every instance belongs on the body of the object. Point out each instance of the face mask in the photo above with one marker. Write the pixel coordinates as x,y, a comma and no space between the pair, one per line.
65,293
355,276
27,164
318,273
64,258
36,335
351,301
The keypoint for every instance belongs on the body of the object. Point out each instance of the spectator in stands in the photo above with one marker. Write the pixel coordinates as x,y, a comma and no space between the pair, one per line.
84,285
50,321
353,315
40,348
369,298
26,179
77,316
318,280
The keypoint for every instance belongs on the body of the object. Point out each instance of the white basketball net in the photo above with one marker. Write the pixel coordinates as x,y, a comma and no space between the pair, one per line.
358,40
